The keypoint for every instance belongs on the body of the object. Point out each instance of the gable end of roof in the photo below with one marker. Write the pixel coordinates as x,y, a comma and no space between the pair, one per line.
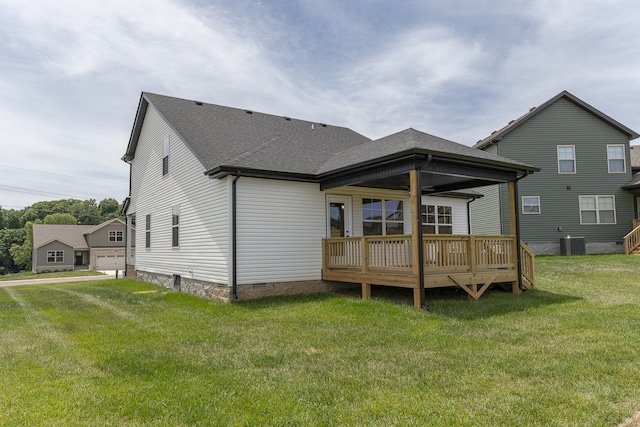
514,124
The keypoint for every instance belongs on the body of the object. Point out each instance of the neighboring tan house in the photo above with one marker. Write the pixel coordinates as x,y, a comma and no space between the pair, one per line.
236,204
71,247
580,195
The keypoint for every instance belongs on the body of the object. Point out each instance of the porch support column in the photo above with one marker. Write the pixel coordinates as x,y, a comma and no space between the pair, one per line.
514,230
415,186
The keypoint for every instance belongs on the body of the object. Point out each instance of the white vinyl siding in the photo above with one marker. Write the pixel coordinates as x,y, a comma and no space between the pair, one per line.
280,229
204,207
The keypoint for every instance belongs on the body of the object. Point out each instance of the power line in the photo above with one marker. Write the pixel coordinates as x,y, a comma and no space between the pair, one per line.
58,174
37,192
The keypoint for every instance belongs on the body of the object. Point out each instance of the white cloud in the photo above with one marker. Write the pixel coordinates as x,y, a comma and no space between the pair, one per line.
412,70
71,71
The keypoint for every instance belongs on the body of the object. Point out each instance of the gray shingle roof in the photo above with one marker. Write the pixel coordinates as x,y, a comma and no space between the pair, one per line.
410,140
497,136
233,137
72,235
225,138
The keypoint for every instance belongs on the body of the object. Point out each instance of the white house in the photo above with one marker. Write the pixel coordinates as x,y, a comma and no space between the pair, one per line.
235,204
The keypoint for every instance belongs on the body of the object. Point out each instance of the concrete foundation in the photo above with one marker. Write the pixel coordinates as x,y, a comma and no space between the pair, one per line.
553,248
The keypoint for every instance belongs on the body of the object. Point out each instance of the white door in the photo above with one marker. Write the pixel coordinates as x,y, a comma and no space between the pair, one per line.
339,218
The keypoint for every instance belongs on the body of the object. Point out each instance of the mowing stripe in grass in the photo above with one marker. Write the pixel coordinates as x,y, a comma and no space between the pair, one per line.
97,301
46,330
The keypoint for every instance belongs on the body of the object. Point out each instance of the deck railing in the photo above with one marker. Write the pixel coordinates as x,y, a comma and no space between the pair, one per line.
632,240
527,264
442,253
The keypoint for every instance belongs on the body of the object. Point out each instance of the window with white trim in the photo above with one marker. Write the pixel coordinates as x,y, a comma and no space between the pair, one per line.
165,156
436,219
566,159
55,256
530,205
116,236
382,217
616,158
175,225
597,210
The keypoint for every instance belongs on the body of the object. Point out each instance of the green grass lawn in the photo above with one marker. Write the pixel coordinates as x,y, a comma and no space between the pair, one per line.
124,353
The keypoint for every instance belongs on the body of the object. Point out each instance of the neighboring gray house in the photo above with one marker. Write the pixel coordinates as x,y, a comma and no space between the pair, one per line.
71,247
236,204
581,190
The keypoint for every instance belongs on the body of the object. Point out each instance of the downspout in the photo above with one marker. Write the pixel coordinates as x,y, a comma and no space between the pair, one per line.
421,244
234,239
469,215
517,216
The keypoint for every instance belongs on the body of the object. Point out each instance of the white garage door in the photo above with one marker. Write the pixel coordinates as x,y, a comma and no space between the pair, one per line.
109,262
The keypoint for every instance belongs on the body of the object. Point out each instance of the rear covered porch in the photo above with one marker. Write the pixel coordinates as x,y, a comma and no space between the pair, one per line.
429,166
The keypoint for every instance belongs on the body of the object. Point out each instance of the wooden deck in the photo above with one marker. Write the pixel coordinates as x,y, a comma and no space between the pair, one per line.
470,262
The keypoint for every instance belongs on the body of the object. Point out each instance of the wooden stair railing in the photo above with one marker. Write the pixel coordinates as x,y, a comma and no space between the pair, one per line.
527,259
632,240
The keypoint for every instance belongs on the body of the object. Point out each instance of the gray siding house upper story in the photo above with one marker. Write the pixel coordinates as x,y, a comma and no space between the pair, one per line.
581,191
70,247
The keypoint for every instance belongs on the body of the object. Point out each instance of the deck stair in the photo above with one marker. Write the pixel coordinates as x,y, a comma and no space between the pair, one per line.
632,241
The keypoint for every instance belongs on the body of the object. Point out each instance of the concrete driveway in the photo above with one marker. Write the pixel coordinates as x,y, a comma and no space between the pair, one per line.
56,280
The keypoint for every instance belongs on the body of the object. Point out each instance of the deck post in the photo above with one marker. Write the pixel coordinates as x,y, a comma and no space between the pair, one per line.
325,255
473,259
416,235
514,231
364,250
366,291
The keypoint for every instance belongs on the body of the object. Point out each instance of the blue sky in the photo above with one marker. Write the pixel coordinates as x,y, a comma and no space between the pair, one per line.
71,71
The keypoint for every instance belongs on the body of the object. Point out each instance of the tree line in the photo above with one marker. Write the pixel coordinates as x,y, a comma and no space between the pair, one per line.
16,225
